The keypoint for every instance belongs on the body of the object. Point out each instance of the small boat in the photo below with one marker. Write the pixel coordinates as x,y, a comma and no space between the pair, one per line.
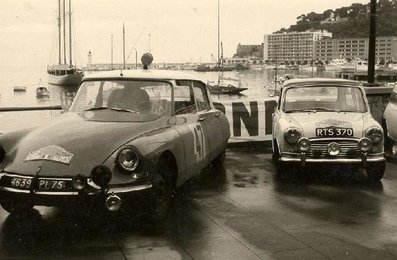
19,88
226,86
42,92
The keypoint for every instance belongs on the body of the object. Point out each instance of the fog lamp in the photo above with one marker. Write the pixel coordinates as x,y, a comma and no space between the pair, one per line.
364,144
79,182
333,149
101,175
113,202
304,144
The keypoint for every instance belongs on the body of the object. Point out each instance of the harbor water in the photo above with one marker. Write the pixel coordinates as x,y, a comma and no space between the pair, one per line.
257,83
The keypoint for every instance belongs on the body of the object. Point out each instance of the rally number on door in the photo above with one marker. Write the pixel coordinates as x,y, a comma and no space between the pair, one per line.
199,142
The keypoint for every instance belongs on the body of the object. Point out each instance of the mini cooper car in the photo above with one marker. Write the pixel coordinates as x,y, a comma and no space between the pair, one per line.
326,121
130,137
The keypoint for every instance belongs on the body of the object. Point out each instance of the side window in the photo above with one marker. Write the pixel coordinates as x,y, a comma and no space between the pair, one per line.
183,98
200,95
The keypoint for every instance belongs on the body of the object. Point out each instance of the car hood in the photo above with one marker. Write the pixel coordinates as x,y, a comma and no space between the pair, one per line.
308,122
73,145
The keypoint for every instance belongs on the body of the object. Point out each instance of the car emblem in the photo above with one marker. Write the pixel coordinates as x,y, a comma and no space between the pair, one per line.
50,153
333,122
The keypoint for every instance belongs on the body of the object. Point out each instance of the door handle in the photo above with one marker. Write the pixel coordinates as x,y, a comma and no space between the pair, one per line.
201,118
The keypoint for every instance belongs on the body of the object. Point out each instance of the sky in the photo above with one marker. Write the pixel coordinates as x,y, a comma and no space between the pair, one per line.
173,30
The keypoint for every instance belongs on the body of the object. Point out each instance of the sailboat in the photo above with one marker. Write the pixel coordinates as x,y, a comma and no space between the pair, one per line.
219,63
64,73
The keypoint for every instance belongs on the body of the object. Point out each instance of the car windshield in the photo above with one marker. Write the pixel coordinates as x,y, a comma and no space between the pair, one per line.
324,99
129,96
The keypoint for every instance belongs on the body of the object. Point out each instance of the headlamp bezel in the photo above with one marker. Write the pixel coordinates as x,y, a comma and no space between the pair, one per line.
374,137
123,152
288,135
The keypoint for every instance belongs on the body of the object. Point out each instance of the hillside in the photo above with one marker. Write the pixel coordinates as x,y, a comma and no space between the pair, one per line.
352,21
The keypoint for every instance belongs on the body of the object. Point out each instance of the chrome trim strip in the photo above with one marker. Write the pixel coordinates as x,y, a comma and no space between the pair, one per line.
333,160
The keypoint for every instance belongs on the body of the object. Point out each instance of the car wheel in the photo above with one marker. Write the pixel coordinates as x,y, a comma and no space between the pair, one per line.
388,141
16,206
219,160
375,171
162,195
276,152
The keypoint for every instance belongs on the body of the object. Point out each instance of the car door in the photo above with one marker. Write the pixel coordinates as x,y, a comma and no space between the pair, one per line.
190,126
210,120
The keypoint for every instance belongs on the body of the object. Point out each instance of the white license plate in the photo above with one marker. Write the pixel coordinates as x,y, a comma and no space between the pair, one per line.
334,132
43,184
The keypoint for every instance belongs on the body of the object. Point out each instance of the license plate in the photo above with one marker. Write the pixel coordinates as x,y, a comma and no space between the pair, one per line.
43,184
334,132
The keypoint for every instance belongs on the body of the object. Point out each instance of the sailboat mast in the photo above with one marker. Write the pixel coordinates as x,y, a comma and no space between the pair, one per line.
64,32
123,47
111,53
70,32
59,33
218,32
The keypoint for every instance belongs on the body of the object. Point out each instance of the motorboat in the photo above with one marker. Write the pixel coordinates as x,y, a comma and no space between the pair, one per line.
19,88
42,92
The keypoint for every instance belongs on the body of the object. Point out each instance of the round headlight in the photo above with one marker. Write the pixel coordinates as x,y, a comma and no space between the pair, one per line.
333,149
364,144
292,135
128,159
304,144
374,134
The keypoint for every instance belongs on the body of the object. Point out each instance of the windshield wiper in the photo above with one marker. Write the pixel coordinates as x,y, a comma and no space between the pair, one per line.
300,110
97,108
326,109
119,109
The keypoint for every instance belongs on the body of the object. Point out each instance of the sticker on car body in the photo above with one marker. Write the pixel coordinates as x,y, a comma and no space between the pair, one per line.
50,153
199,141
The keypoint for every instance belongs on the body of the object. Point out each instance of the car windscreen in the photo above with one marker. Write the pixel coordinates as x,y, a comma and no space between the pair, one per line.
324,98
134,96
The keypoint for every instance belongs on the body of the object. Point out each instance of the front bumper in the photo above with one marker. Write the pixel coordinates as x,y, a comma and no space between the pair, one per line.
92,192
302,158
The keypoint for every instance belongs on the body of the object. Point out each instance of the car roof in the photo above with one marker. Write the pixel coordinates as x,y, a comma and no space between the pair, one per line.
142,74
320,81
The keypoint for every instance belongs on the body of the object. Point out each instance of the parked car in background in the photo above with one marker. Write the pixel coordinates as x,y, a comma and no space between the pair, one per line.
326,121
130,138
389,122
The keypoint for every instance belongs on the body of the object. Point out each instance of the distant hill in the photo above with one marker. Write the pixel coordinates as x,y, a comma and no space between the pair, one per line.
352,21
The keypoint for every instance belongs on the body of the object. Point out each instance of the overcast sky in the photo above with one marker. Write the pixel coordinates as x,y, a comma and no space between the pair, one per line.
180,30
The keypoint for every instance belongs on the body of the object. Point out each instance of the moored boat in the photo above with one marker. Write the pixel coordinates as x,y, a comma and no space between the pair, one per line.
64,73
42,92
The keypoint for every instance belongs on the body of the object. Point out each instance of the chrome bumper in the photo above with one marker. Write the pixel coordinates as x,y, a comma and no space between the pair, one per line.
303,159
95,190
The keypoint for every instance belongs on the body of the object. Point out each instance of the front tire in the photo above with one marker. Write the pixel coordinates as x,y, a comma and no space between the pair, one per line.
375,171
16,206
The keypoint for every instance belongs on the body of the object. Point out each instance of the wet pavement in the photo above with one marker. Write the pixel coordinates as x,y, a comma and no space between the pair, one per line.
244,212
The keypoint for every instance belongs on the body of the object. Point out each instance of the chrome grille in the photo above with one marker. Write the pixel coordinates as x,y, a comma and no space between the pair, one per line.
347,147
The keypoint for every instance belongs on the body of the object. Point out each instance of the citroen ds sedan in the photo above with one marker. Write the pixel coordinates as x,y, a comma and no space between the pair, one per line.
326,121
129,136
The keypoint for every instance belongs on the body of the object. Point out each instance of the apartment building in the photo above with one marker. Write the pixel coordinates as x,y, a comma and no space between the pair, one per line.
293,46
352,48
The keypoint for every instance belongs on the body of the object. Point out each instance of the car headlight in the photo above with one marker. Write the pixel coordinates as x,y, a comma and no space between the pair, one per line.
374,134
304,144
292,135
128,159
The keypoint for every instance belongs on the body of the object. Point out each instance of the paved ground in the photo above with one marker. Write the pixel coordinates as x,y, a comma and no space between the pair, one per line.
245,213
